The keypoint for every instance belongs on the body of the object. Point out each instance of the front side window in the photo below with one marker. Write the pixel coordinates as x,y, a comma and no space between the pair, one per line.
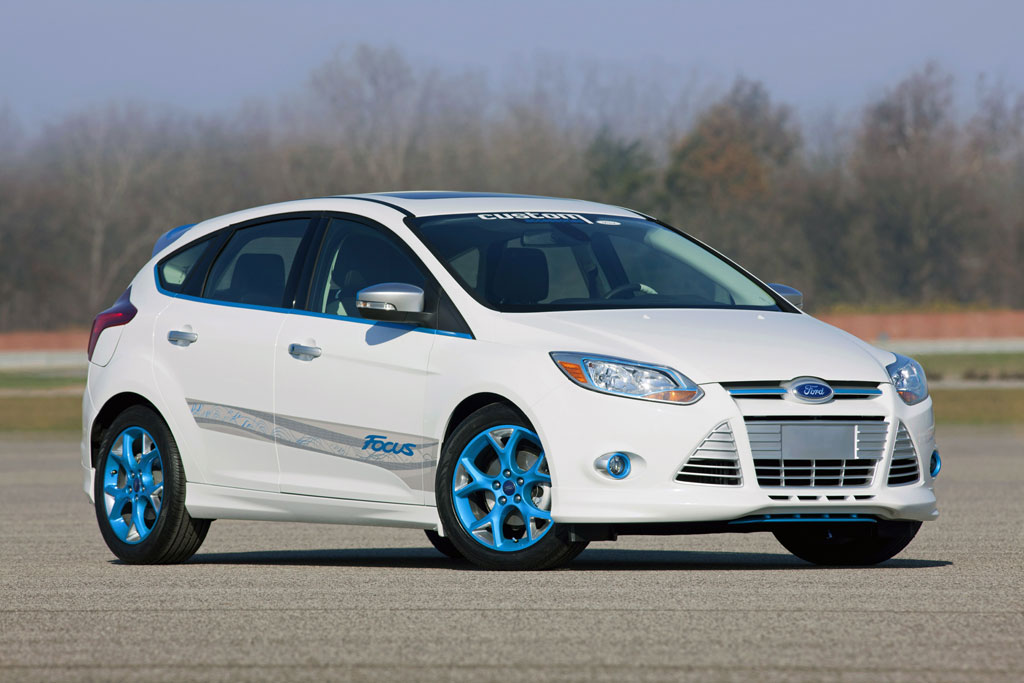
255,265
354,256
557,262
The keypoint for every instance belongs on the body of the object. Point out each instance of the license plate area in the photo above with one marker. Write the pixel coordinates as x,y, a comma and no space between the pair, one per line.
818,442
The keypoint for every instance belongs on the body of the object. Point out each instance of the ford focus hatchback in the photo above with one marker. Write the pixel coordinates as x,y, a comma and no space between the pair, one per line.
515,375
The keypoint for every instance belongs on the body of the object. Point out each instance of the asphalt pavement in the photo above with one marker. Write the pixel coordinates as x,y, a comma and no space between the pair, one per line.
264,601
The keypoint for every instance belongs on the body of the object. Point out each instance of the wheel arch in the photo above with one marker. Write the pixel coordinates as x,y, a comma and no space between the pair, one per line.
114,406
473,403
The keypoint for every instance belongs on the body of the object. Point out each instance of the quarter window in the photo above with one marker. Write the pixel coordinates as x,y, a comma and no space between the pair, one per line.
175,269
256,263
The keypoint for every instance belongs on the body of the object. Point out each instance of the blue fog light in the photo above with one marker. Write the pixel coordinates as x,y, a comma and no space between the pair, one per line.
615,465
936,465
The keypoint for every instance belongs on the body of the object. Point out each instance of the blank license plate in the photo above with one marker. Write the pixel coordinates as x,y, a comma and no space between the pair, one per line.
812,442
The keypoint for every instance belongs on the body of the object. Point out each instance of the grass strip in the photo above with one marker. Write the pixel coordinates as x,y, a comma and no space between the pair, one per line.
979,406
41,414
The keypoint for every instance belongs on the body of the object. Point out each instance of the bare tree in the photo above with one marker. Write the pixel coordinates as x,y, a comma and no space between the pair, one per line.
903,202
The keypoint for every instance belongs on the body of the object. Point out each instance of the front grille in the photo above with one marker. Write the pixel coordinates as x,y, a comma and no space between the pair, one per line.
843,454
714,461
774,389
904,468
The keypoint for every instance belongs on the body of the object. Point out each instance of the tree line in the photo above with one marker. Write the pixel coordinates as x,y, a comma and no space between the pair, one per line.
915,200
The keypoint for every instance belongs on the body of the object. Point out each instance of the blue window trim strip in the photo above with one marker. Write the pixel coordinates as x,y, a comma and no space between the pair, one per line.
312,314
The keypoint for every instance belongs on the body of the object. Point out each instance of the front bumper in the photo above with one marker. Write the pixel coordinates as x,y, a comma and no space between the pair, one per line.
660,438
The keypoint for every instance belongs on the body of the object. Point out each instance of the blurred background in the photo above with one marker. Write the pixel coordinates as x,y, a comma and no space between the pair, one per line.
870,154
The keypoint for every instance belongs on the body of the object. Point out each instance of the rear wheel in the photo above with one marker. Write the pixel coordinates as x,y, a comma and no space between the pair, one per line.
845,546
494,494
139,492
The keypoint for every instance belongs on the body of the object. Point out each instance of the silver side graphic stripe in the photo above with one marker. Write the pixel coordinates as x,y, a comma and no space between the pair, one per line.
410,458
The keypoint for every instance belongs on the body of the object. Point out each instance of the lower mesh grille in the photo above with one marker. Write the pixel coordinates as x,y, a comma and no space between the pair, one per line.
841,472
714,461
904,468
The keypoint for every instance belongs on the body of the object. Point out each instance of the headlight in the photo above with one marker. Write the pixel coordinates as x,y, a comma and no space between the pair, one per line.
628,378
907,376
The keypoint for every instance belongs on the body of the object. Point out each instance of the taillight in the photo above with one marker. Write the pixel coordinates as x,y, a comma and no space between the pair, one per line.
120,313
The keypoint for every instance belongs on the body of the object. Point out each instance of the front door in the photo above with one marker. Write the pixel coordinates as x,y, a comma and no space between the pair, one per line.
349,392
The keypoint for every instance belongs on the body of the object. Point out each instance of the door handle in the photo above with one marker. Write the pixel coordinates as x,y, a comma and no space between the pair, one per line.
181,338
303,352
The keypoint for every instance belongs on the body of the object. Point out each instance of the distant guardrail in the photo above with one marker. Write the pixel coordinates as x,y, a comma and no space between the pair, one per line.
42,360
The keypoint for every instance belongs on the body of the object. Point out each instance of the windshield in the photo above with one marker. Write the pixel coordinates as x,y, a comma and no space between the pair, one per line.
561,262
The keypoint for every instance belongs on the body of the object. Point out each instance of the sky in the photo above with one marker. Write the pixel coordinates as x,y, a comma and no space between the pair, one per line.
59,56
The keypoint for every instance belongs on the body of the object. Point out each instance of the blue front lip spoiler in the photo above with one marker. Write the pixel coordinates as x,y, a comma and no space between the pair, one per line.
762,519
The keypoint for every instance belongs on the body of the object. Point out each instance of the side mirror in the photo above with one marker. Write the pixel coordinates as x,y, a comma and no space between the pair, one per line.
793,296
393,302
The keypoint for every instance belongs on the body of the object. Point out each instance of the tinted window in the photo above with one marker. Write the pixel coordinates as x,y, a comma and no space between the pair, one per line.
255,265
175,269
355,256
665,274
549,262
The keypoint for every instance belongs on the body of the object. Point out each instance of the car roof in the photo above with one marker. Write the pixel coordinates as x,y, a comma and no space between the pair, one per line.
439,203
412,203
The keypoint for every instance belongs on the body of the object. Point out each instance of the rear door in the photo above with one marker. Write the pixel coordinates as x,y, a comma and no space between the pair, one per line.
218,344
350,418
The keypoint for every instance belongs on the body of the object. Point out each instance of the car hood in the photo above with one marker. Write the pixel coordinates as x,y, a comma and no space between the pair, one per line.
707,345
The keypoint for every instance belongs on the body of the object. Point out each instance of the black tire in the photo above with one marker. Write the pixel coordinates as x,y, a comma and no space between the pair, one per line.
551,549
840,546
175,536
443,545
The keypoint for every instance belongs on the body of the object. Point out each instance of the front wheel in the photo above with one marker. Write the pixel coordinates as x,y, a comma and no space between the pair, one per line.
494,494
843,546
443,545
139,492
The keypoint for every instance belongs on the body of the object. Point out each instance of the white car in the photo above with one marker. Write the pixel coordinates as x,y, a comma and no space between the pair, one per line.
516,375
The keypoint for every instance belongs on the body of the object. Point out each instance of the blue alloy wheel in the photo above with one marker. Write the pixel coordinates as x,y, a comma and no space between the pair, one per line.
501,489
133,485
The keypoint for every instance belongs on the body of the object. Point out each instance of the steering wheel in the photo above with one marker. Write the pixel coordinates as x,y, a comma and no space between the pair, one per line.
630,287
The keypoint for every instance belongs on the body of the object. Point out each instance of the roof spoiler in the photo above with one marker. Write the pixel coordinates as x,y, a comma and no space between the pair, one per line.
169,237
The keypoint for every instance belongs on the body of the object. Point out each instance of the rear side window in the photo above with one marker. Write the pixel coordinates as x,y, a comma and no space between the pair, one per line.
174,270
256,264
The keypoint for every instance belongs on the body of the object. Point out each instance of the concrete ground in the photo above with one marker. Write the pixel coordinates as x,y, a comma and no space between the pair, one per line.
311,602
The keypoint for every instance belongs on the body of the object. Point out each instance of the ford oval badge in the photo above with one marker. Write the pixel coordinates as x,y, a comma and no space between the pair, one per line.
810,390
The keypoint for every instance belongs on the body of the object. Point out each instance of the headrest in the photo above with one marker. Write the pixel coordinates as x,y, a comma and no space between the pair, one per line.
259,278
357,252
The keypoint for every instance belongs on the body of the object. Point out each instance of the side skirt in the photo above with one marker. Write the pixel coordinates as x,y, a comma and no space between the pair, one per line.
204,501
